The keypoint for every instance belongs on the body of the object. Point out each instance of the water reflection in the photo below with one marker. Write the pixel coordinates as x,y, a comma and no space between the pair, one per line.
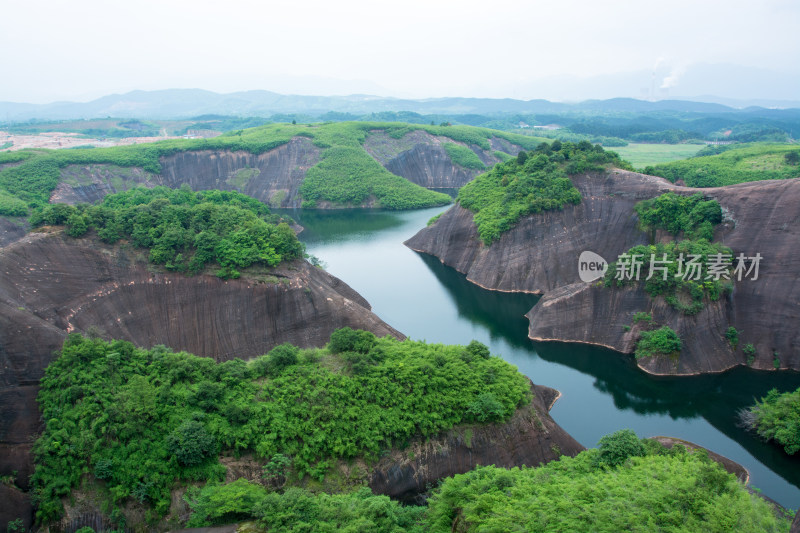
502,314
603,390
341,225
715,397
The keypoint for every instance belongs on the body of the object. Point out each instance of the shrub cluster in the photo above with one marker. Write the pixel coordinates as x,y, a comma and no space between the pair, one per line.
662,341
298,510
777,417
627,485
692,216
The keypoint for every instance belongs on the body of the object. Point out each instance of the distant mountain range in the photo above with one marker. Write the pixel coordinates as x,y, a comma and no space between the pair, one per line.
185,103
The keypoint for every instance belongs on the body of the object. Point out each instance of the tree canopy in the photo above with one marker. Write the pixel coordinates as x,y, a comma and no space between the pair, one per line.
182,229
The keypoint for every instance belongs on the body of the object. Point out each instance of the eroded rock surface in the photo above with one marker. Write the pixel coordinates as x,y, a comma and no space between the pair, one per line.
530,437
540,255
273,177
421,158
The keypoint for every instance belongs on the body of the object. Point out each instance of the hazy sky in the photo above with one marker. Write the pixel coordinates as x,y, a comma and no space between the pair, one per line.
82,49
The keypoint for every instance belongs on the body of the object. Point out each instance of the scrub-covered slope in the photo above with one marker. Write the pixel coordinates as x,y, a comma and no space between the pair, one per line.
301,414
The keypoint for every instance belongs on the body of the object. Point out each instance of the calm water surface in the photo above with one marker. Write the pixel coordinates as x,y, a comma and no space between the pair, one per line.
603,391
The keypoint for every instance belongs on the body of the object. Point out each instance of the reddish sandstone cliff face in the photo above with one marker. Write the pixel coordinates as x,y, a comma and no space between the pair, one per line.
540,255
51,285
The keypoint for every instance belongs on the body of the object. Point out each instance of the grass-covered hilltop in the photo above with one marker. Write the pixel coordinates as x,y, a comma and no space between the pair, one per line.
532,182
310,165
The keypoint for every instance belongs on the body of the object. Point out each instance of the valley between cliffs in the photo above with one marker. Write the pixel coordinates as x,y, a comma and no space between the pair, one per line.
540,255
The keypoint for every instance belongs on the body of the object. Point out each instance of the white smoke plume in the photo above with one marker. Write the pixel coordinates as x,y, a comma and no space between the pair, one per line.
672,79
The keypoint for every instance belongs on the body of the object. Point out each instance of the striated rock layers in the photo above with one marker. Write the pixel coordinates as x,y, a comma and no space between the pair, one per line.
274,177
530,437
540,255
422,159
51,285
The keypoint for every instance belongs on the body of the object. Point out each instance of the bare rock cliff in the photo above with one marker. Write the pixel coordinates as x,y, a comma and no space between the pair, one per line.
273,177
540,255
420,158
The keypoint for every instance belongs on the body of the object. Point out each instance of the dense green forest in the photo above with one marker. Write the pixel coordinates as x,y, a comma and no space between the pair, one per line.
297,410
776,417
346,173
736,164
533,182
183,230
627,484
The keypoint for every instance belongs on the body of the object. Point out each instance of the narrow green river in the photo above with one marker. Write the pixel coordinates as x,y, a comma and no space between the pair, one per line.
603,391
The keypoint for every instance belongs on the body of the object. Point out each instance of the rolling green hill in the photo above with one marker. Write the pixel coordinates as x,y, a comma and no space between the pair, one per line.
738,164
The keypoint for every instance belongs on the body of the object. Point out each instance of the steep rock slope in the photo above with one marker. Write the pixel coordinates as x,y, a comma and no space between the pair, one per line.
421,158
272,177
11,230
530,437
275,176
51,285
541,253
